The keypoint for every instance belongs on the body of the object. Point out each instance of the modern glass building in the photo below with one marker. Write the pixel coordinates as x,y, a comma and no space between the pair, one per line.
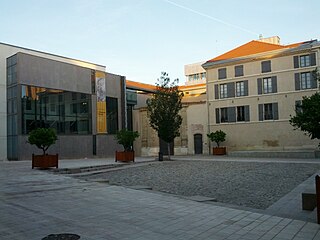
80,100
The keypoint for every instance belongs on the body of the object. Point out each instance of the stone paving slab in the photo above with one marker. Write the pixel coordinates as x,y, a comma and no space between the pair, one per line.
35,204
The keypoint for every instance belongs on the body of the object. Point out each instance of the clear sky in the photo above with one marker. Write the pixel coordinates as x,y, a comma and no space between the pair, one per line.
141,38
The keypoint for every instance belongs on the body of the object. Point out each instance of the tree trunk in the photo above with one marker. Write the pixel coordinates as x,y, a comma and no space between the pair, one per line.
168,144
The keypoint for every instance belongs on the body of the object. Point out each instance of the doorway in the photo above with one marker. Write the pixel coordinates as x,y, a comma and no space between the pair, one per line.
198,143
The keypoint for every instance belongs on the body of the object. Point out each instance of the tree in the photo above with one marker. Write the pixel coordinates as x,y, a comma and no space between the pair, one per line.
163,109
43,138
307,117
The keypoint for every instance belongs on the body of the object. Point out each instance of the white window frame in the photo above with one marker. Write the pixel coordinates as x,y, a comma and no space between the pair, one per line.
305,61
305,80
240,89
267,85
223,90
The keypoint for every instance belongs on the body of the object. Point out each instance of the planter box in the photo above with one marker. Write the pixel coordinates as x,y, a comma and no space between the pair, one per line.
219,151
44,161
125,156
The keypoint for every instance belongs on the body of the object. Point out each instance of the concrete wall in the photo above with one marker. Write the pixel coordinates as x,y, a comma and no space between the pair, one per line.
43,72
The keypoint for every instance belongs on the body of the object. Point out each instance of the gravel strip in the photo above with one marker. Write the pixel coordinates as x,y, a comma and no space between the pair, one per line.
249,184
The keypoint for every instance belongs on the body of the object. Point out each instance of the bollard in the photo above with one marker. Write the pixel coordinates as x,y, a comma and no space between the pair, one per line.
318,197
160,156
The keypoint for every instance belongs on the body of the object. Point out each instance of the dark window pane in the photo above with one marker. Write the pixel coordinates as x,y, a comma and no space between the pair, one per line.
112,115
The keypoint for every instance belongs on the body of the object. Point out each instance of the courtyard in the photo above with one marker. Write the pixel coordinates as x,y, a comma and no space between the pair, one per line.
249,184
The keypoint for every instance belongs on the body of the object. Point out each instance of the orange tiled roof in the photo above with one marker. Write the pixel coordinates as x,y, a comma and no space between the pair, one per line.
138,85
144,86
250,48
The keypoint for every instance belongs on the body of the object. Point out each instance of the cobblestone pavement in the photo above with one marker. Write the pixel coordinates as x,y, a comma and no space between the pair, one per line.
34,204
250,184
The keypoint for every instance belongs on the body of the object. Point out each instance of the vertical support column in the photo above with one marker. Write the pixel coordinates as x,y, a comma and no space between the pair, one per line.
318,197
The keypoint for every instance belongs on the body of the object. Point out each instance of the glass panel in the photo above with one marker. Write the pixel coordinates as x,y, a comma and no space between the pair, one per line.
61,110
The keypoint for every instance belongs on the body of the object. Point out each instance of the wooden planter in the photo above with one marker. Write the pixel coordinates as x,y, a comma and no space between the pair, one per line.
125,156
219,151
44,161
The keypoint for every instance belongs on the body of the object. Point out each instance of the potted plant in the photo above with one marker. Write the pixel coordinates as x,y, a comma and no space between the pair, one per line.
218,137
43,138
126,138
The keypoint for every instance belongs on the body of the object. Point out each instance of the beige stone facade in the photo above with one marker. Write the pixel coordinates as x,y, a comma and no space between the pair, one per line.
253,90
194,123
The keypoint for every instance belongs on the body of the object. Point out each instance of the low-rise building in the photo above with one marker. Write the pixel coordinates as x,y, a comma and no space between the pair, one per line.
80,100
253,90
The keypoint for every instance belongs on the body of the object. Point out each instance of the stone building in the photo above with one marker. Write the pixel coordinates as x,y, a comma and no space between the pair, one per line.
253,89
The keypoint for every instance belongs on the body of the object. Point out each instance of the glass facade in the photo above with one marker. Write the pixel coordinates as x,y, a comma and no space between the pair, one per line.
66,112
12,108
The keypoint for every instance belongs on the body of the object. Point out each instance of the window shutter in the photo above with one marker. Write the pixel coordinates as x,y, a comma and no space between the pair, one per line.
246,90
298,106
313,59
274,84
266,66
314,83
217,115
296,61
247,113
297,81
231,89
231,114
216,91
275,111
260,106
259,80
222,73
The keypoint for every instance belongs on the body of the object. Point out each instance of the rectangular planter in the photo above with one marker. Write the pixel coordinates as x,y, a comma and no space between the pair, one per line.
44,161
125,156
219,151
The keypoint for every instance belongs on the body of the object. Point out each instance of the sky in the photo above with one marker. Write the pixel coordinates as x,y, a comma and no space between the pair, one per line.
140,39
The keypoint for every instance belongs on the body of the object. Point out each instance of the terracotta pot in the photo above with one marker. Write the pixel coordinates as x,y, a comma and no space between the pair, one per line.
44,161
125,156
219,151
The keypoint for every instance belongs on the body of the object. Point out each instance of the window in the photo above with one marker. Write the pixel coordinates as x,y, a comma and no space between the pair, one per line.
266,66
240,89
43,107
238,71
203,76
268,111
223,91
240,114
267,85
224,115
268,114
222,73
298,107
305,80
112,115
232,114
305,61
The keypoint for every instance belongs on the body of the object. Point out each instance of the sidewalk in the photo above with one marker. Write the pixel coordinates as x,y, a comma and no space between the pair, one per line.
34,204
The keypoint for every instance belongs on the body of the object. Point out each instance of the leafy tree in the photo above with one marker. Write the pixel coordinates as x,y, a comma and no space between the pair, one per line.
163,109
218,137
126,138
43,138
307,117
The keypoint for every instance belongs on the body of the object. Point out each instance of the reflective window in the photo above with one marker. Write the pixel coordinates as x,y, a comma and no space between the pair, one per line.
67,112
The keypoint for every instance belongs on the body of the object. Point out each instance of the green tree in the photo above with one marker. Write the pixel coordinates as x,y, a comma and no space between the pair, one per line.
307,117
163,109
43,138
